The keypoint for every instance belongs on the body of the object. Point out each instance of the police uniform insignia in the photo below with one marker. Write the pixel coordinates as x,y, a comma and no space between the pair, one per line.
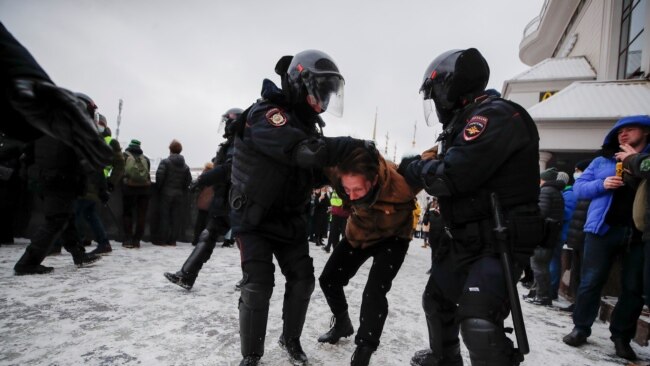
474,127
276,117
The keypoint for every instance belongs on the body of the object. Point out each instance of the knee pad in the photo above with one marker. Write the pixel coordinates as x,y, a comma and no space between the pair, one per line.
482,305
255,296
301,278
487,343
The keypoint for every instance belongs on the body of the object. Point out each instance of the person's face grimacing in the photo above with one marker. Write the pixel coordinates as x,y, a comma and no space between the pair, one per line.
356,186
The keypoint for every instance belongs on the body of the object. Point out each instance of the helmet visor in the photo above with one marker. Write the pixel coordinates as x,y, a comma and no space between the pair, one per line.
429,107
325,93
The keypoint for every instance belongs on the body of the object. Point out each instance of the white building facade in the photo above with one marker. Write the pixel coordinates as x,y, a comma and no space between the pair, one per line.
590,66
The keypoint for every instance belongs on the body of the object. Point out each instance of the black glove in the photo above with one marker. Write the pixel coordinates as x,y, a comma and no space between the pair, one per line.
60,114
310,153
104,196
403,165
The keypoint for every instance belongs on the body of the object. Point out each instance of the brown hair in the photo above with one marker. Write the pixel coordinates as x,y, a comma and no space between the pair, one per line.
175,147
361,162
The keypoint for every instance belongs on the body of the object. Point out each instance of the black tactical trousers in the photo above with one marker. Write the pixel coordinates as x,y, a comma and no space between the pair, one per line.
344,263
257,254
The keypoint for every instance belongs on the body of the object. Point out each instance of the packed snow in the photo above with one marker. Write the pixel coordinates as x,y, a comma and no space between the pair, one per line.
122,311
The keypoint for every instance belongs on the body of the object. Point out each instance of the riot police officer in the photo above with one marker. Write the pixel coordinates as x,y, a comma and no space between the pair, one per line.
489,146
219,220
278,152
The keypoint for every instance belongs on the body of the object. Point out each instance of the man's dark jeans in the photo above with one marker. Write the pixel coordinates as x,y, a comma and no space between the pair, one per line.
599,254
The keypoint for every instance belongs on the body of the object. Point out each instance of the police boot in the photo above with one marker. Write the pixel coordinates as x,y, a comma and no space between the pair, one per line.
294,311
444,345
341,326
361,356
253,315
450,356
292,345
200,254
488,344
180,278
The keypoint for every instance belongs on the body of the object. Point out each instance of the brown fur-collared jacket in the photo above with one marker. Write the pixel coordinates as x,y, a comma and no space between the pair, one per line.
390,215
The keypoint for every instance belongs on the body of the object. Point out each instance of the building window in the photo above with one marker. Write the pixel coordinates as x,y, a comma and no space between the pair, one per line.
631,45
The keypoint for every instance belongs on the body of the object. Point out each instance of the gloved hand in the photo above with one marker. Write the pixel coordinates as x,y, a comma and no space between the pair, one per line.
406,160
60,114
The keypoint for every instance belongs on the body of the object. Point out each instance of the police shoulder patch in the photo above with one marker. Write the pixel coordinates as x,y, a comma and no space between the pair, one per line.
276,117
475,127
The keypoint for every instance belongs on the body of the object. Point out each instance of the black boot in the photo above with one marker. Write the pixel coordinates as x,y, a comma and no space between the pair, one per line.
83,259
341,326
623,349
250,361
361,356
292,345
184,280
253,315
190,270
444,345
450,356
102,248
30,263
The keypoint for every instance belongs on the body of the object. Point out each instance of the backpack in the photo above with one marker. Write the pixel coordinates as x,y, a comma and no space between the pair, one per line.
136,173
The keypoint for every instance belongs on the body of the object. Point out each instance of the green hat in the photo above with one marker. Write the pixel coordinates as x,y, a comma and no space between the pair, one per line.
134,143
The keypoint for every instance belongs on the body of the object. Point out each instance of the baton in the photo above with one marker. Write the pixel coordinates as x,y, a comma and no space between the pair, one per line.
513,296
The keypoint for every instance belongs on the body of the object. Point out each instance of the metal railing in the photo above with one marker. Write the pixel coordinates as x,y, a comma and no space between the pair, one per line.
533,25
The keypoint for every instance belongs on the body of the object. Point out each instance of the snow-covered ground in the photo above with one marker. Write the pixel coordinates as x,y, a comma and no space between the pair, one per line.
122,311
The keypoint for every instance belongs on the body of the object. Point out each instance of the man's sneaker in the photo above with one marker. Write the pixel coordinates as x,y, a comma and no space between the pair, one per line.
85,259
102,249
575,338
623,349
252,360
294,349
29,269
181,279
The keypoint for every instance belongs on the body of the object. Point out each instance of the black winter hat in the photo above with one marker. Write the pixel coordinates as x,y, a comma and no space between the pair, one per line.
583,164
549,174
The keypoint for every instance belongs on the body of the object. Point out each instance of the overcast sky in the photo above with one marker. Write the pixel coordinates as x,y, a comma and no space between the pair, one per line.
179,65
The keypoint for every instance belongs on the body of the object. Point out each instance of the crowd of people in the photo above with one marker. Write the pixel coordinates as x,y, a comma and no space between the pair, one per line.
277,182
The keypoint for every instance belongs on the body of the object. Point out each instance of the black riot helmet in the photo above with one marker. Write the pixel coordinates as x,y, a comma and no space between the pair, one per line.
90,105
227,120
452,79
313,78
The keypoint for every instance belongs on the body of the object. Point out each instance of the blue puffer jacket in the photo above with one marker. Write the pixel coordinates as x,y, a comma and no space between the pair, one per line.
590,184
570,203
